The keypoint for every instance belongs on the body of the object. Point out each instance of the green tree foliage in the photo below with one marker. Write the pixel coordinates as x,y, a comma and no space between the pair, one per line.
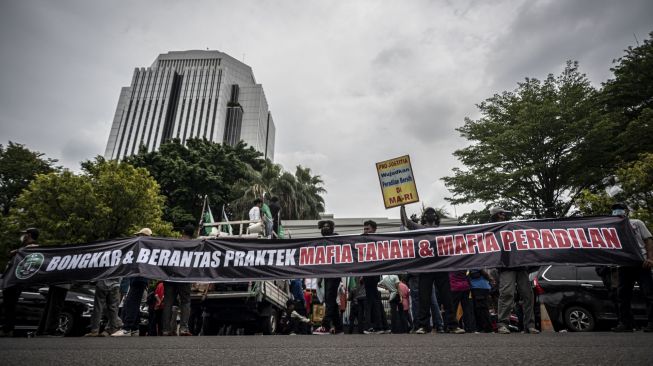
107,200
18,167
187,173
636,182
536,148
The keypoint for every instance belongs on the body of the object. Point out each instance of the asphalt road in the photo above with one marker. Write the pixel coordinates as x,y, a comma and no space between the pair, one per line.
409,349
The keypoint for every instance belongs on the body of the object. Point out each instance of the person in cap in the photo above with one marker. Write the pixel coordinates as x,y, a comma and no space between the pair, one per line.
174,289
332,320
10,295
431,219
628,275
376,315
131,310
509,278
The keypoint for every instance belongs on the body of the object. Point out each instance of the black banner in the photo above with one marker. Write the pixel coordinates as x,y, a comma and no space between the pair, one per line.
578,241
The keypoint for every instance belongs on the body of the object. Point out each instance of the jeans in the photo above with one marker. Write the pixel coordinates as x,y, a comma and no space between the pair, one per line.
441,280
171,290
508,279
627,278
107,300
131,312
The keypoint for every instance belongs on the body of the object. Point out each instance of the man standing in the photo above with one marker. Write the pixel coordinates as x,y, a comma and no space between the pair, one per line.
131,310
377,316
174,289
508,279
275,210
107,300
628,275
255,215
11,294
430,219
332,321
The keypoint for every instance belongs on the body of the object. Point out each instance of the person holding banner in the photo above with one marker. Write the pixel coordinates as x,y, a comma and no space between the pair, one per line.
628,275
431,219
509,278
332,321
11,294
171,291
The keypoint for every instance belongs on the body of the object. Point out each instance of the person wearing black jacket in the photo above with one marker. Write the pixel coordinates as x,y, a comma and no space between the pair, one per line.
430,219
332,321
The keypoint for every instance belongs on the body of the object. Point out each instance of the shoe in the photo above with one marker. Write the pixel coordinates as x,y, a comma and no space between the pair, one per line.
6,334
648,328
420,331
457,331
503,330
335,331
369,331
441,330
105,334
321,331
185,333
533,331
621,328
292,333
93,333
122,333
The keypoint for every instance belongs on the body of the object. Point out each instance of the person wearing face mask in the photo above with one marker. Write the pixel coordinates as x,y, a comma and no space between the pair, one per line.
332,321
430,219
11,294
628,275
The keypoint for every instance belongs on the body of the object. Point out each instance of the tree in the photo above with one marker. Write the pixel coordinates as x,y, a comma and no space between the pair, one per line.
108,200
200,168
635,181
536,148
18,167
627,100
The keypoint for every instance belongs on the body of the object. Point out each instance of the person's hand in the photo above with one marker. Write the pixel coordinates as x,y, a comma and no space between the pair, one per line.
648,264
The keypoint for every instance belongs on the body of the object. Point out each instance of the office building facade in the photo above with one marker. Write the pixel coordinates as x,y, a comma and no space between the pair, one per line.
191,94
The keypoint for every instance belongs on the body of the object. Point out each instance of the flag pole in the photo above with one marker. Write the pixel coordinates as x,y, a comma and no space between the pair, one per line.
200,225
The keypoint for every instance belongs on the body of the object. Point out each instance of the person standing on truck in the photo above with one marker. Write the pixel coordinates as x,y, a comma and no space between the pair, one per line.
255,215
174,289
332,321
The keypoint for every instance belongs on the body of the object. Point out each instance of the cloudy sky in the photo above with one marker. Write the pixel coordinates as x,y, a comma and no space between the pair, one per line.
349,83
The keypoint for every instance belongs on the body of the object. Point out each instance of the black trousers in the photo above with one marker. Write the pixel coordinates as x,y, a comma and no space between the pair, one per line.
332,316
50,318
627,278
462,298
10,297
480,298
426,282
376,313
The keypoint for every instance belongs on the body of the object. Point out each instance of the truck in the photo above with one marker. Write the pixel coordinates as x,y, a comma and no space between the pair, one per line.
232,308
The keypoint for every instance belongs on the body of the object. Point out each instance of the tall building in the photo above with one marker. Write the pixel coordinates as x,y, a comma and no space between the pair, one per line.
191,94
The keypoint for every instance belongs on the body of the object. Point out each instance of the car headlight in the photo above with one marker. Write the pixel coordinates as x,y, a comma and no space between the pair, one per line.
86,298
88,311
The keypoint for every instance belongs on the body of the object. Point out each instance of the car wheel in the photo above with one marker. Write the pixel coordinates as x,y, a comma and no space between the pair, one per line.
66,323
579,319
269,323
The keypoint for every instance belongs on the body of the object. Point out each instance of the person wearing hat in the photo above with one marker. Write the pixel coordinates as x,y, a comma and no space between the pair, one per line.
131,310
431,219
174,289
11,294
332,320
628,275
509,278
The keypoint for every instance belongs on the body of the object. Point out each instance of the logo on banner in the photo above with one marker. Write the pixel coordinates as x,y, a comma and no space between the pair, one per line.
29,266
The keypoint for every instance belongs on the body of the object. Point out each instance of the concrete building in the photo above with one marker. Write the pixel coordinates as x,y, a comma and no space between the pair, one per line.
191,94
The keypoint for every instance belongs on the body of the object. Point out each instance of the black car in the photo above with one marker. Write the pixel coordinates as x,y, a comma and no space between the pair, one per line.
577,299
73,320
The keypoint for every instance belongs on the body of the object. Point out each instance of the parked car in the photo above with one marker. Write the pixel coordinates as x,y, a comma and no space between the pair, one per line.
577,299
73,320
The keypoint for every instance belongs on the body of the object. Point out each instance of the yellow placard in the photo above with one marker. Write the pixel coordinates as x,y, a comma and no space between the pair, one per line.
397,181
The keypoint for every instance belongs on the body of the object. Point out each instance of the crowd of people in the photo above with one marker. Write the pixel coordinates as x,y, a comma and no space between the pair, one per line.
455,302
